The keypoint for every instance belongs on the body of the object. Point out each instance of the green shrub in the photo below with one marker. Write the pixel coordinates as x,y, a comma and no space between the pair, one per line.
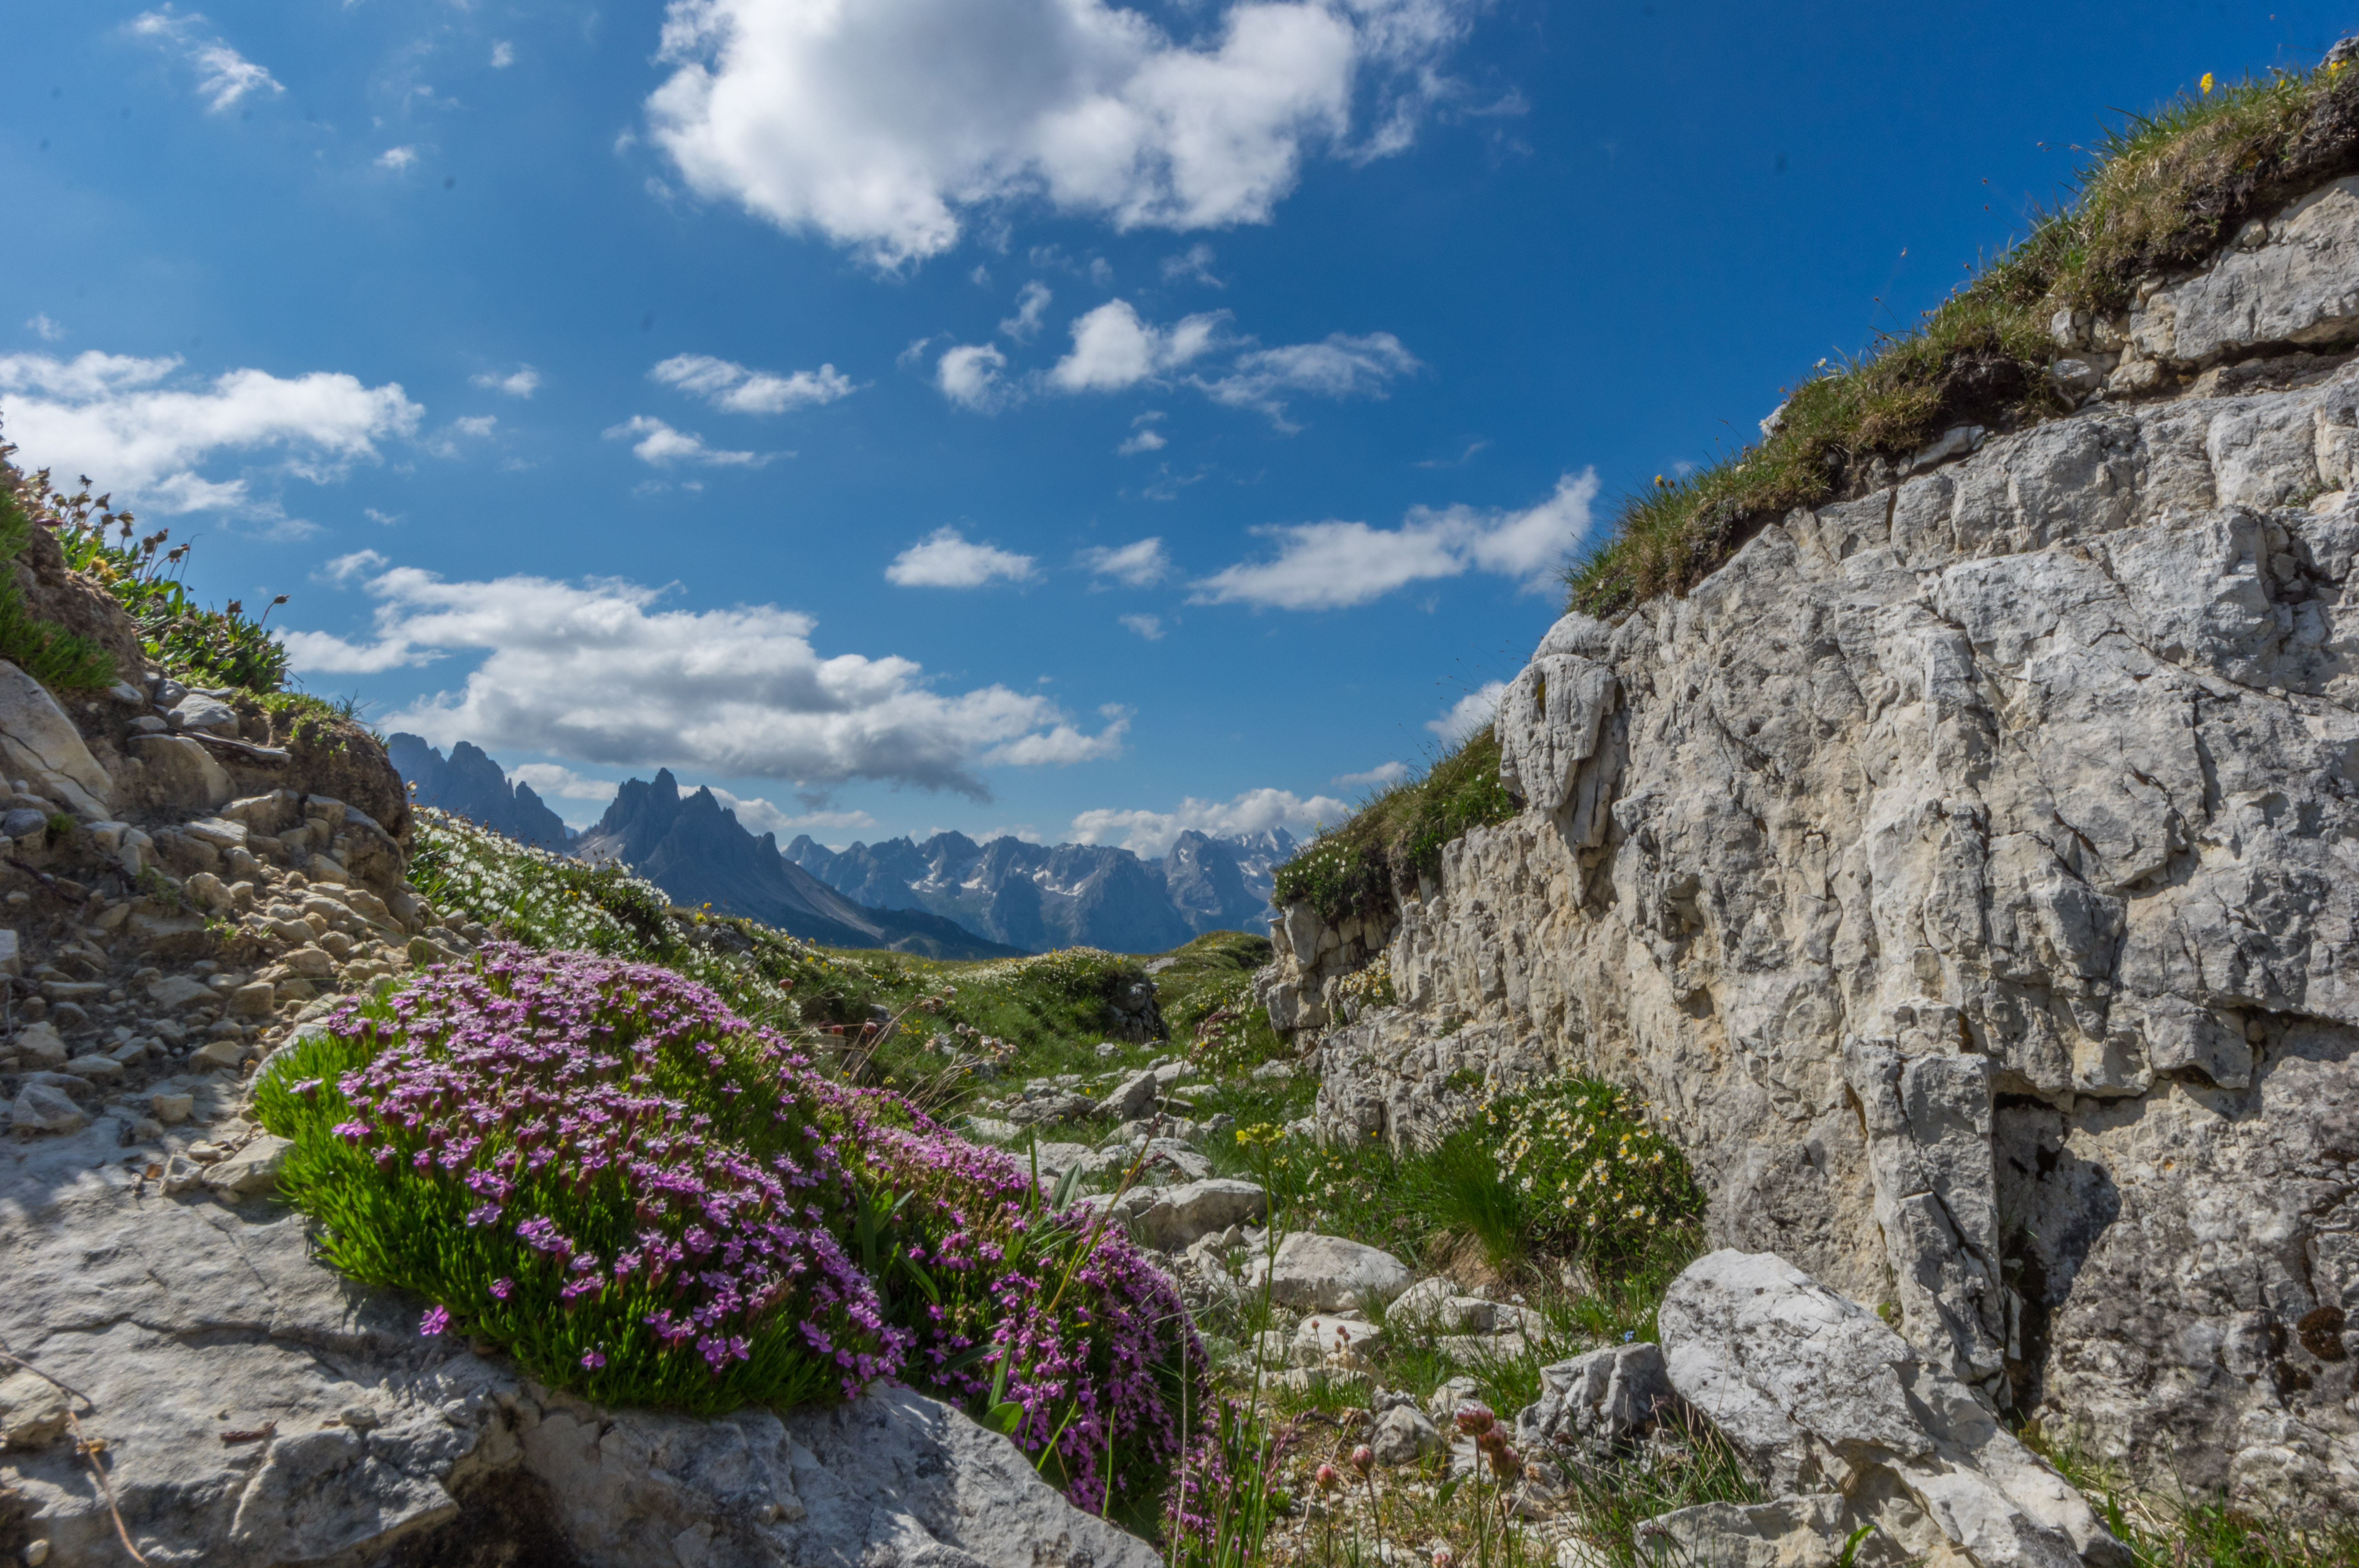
2163,192
1597,1180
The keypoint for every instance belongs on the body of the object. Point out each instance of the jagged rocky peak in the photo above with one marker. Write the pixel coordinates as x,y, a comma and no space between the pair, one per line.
471,784
1962,871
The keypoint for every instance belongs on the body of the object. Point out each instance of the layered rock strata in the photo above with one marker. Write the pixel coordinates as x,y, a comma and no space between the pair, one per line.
1964,873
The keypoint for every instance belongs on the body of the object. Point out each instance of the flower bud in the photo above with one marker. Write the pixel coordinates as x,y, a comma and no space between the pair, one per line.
1475,1418
1328,1478
1443,1557
1506,1462
1363,1459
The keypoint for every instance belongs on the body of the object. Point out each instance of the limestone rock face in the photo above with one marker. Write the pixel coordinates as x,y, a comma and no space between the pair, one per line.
1965,873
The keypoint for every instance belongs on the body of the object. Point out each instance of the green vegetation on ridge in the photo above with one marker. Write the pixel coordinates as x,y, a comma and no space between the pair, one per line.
2164,192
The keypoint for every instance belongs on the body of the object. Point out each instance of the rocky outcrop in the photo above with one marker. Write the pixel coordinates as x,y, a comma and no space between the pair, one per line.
1965,873
256,1408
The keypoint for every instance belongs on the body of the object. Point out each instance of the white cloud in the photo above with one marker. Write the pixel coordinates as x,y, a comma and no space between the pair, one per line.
969,376
1150,833
881,124
734,389
119,419
1143,439
1469,713
562,782
1193,265
397,157
224,75
1136,565
1334,565
759,816
1342,366
503,54
1147,626
662,445
42,327
387,518
1114,349
946,559
476,424
522,382
597,673
1031,305
1382,774
344,568
1063,745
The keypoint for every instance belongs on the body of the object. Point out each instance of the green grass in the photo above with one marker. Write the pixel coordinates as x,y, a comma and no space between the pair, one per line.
2182,1531
2161,193
1362,867
59,659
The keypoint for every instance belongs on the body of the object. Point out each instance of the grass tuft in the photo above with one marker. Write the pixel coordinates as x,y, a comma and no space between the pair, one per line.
2162,192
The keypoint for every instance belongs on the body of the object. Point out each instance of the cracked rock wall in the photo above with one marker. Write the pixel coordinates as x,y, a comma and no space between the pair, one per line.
1968,875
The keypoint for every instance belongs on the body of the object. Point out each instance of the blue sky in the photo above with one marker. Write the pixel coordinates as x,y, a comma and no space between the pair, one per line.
1017,415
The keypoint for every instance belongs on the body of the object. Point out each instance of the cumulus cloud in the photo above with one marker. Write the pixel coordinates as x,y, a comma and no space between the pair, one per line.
1334,565
1031,306
734,389
521,381
1063,745
947,558
759,816
1142,438
1114,349
599,673
1382,774
561,783
125,421
503,54
1147,626
660,446
344,568
224,75
1343,366
42,327
1150,833
883,125
397,158
969,376
1135,566
1193,265
1469,713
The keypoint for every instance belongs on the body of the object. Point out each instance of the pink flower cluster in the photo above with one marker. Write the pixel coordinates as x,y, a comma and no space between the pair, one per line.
673,1188
570,1096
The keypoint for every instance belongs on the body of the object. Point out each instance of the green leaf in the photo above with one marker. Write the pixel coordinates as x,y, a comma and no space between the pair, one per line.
1004,1417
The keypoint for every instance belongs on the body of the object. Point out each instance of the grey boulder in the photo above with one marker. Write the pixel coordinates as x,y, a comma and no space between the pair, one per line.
1603,1398
1181,1215
41,745
1814,1389
1810,1531
1323,1273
